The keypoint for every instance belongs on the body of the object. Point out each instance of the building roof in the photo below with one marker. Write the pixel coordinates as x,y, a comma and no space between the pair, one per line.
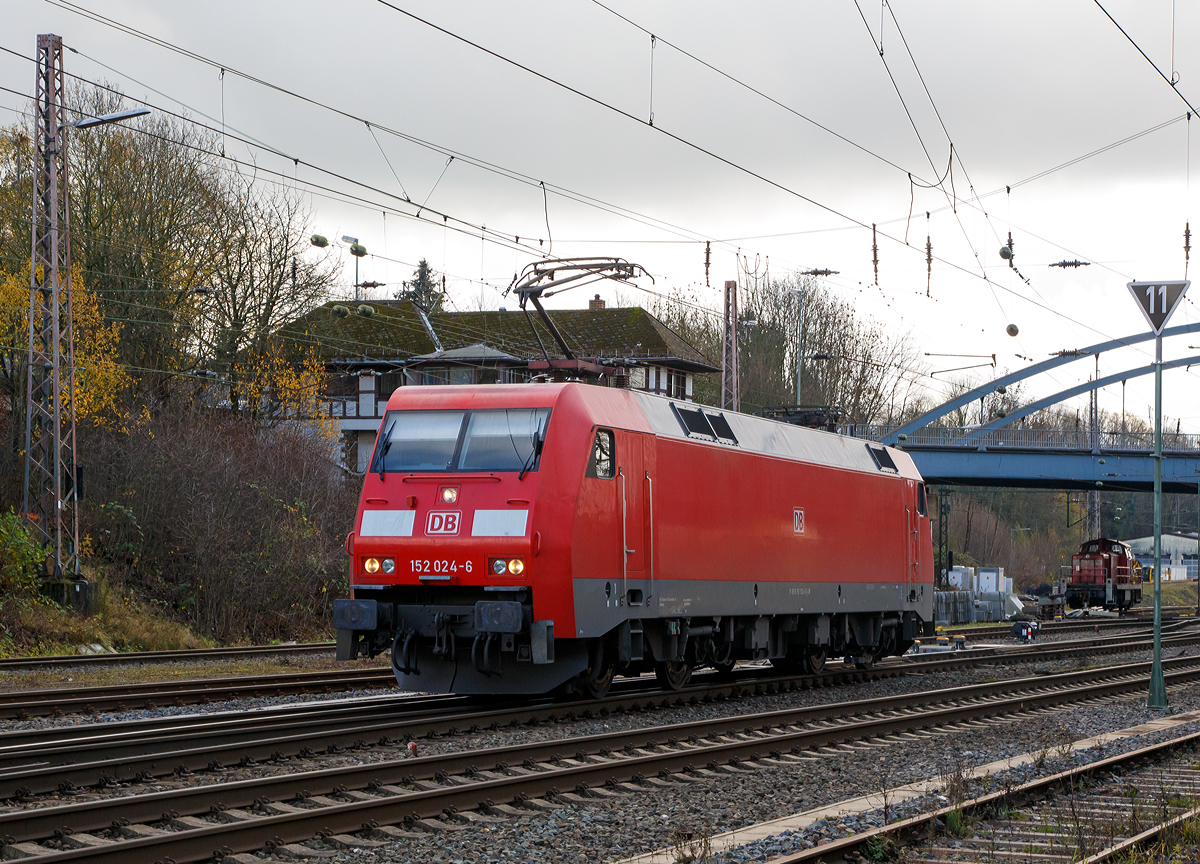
396,334
471,352
1171,542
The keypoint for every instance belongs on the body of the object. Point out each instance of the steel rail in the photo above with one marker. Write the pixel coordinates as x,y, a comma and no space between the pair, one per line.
50,768
1061,780
20,704
32,770
1070,626
548,770
360,710
182,655
419,715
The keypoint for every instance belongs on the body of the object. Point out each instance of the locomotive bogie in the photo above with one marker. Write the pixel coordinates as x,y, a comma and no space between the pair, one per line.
554,536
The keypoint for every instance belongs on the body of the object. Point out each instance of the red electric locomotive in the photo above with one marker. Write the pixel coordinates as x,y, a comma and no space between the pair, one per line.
523,538
1104,573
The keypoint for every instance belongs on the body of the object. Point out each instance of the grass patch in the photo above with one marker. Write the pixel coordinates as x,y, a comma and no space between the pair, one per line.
33,626
1173,594
956,823
879,850
1181,843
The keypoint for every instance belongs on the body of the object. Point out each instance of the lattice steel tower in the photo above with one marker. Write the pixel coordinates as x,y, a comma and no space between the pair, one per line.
49,502
730,389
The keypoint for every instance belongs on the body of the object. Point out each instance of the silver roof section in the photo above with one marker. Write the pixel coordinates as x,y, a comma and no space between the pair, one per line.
775,438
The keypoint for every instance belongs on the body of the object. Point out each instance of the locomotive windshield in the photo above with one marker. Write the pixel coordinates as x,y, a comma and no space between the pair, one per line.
505,439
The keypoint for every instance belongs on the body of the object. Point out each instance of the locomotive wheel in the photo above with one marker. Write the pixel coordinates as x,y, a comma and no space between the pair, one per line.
674,675
866,661
814,662
597,678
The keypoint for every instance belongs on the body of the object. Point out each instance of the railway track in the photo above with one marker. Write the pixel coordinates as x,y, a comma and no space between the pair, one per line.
1074,625
1093,813
23,704
188,824
247,652
145,658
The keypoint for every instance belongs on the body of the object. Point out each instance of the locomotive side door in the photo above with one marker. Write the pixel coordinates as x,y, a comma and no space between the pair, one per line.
913,515
631,492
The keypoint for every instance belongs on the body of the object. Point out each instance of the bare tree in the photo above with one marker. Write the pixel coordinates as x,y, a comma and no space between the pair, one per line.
854,364
261,276
144,198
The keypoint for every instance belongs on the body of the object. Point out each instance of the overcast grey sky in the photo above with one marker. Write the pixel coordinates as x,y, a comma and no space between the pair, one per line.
1020,87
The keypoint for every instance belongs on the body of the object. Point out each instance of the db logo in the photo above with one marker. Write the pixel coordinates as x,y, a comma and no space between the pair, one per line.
797,521
443,522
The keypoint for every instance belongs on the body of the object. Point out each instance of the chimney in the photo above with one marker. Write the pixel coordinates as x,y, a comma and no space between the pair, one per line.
596,304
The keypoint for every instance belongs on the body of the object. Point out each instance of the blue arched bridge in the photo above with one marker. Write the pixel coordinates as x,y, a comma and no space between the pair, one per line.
999,454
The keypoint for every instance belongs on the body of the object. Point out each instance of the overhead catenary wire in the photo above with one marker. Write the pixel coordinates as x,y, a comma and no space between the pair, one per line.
954,265
750,88
460,226
338,192
389,164
579,197
1173,84
722,159
952,198
125,28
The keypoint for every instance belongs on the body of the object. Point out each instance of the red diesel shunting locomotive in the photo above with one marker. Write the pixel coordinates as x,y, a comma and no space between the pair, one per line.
1104,573
522,538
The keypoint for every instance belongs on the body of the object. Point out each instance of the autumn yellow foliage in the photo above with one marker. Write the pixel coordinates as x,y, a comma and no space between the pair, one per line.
99,376
282,383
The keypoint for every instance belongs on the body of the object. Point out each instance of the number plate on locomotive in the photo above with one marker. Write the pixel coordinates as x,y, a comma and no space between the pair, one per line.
439,566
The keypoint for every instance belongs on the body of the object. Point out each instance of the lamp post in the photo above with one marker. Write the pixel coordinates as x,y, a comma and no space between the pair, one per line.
1158,687
1011,532
799,292
1158,300
356,249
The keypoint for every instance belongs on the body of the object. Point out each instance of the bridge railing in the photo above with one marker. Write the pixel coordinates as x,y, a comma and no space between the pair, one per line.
1018,438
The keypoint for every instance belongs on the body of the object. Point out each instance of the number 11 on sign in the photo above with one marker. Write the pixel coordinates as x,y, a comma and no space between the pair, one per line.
1161,291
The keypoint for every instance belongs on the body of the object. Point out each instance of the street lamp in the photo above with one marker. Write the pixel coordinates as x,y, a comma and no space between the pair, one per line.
105,119
357,250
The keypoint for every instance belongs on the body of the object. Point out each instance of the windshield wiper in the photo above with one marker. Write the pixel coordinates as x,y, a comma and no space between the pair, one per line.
384,445
537,451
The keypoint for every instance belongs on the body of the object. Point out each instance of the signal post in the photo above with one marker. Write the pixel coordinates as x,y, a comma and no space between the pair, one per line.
1158,300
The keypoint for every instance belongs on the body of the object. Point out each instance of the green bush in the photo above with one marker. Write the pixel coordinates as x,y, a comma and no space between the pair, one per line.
20,558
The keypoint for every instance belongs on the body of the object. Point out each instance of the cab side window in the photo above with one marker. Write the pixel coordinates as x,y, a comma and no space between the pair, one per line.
601,463
922,507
